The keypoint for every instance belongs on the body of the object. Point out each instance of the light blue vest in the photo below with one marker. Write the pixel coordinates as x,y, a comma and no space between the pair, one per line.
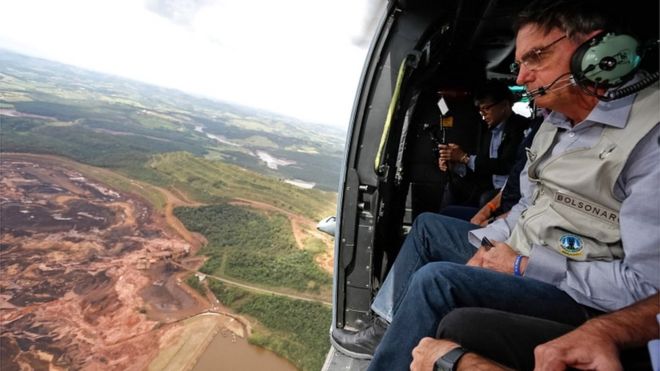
573,210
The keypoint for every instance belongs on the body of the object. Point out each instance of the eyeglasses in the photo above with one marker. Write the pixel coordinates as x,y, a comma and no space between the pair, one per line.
483,109
532,59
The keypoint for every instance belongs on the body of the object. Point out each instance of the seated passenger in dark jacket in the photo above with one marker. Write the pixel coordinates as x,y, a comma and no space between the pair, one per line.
508,196
478,177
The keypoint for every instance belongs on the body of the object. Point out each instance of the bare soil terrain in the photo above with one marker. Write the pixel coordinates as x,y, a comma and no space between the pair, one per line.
85,278
91,278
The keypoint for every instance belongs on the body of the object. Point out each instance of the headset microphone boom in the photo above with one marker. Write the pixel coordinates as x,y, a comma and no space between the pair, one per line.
566,79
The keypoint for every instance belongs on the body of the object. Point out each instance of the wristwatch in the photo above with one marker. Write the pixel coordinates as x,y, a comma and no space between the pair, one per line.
449,361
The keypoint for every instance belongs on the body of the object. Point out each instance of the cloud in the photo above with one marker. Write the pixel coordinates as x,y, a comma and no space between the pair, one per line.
181,12
295,57
369,22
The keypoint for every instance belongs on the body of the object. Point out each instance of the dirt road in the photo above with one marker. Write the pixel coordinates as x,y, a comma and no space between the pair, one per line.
255,288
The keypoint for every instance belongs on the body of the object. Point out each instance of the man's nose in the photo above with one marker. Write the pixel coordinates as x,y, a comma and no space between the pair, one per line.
525,75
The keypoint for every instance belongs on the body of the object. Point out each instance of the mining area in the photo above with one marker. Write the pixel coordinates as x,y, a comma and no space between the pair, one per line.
86,279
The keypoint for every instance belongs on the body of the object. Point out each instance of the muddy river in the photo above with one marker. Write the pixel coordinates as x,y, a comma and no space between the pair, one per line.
232,353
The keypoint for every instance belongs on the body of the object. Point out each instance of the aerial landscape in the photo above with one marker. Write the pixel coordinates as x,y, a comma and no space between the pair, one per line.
143,228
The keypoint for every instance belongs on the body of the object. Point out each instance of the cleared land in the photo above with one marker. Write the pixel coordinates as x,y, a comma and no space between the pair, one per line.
110,273
76,257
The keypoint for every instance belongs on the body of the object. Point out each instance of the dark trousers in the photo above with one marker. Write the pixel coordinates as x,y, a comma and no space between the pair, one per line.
460,212
510,339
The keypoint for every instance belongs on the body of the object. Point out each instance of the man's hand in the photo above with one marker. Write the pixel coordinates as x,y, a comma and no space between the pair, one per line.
443,165
481,218
484,214
585,348
477,259
594,345
428,351
451,152
499,258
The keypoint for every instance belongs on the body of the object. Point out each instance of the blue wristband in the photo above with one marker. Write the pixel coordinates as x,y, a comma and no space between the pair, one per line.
516,266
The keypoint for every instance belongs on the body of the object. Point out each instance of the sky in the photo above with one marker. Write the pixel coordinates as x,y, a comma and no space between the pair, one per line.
300,58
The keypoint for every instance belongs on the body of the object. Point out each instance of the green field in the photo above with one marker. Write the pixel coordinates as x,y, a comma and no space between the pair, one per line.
214,181
254,247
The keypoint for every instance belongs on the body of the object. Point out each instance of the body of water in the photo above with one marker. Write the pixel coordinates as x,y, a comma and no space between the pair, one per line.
228,352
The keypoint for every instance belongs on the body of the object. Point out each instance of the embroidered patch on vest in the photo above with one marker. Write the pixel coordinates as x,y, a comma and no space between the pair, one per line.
593,209
571,245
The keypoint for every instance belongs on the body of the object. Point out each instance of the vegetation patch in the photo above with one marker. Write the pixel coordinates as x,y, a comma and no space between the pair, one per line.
213,180
253,247
194,282
315,245
128,153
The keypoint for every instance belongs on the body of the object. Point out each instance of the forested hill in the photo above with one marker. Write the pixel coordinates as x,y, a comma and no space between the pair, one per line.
47,107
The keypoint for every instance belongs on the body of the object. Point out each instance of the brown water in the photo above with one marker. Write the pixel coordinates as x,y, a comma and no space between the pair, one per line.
232,353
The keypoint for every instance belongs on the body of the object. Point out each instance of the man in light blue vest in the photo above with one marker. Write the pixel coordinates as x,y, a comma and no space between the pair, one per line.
585,237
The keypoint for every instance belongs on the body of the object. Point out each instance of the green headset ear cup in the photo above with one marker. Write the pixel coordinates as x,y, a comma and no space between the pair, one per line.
578,56
607,59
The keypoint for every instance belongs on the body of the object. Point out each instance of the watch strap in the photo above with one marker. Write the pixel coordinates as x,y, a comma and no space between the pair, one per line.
449,361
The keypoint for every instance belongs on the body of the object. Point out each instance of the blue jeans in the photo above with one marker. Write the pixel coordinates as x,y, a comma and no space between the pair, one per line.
432,238
429,278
